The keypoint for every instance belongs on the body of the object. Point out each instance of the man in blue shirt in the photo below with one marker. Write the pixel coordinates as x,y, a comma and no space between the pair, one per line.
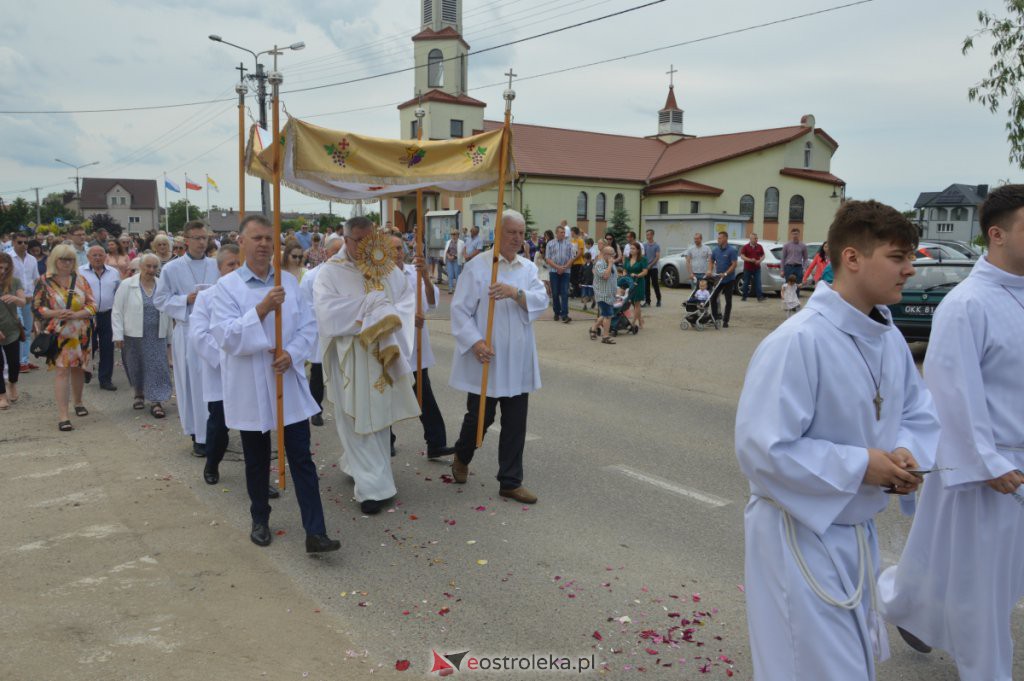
304,237
724,257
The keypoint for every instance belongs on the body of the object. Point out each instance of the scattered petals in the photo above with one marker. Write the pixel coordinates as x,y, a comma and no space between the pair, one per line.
597,635
696,598
402,665
444,611
481,562
280,533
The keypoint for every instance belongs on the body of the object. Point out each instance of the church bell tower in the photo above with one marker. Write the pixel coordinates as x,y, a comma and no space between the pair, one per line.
670,117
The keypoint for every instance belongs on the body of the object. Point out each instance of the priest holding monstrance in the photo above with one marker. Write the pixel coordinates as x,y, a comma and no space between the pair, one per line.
360,299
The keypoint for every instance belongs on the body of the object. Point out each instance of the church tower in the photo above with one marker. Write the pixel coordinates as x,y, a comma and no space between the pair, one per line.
670,117
441,79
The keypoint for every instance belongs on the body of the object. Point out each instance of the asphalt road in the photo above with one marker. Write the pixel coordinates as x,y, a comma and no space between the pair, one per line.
637,537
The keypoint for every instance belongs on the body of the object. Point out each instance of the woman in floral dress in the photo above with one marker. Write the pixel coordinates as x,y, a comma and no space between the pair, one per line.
71,323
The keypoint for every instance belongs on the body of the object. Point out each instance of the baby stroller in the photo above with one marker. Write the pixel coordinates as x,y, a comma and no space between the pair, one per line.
698,314
622,311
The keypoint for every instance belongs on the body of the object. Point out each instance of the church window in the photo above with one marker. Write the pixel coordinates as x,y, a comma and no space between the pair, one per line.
747,206
456,130
662,207
449,11
581,206
771,204
620,202
600,206
694,206
807,155
412,130
796,208
435,69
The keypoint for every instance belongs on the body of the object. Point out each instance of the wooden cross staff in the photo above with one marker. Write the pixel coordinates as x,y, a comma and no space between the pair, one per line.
506,141
420,218
276,79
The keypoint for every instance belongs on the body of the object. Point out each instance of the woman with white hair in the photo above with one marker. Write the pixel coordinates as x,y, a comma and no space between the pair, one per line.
64,301
140,330
161,245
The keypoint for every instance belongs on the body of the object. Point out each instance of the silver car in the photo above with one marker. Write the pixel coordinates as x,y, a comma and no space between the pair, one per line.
673,267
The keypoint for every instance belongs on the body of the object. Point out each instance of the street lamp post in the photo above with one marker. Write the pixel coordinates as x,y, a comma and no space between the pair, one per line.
78,194
260,76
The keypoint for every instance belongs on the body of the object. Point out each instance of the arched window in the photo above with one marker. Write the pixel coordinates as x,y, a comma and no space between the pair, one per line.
600,207
938,213
620,202
958,214
796,208
747,206
771,204
807,154
581,206
435,69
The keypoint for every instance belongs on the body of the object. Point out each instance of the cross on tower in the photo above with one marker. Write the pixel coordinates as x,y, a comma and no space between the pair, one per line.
672,71
510,76
241,71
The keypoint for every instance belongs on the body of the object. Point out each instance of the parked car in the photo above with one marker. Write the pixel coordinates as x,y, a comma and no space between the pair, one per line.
771,266
672,269
966,251
923,292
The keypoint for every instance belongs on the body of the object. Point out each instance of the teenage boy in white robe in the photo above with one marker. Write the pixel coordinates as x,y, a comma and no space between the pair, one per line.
365,361
962,570
316,369
179,283
243,323
520,298
832,411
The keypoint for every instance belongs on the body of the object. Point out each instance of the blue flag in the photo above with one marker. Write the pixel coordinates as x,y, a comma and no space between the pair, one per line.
170,185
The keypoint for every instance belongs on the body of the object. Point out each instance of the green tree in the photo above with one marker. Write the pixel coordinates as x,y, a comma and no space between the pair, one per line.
16,215
176,214
528,218
1006,75
619,225
105,221
329,221
52,207
374,217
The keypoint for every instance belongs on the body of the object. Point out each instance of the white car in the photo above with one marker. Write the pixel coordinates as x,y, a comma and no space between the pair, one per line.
673,267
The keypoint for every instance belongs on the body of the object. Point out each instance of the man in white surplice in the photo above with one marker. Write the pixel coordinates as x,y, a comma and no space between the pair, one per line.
962,570
360,303
179,283
832,410
519,299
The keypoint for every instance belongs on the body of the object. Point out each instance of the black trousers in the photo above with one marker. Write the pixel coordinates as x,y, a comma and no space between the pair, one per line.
434,431
103,343
316,382
511,440
256,448
724,290
12,353
575,277
216,434
653,281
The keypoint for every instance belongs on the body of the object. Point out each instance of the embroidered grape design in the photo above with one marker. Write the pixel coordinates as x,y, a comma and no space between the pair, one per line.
476,154
338,152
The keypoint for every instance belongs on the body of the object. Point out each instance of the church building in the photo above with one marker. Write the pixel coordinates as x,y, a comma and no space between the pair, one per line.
674,182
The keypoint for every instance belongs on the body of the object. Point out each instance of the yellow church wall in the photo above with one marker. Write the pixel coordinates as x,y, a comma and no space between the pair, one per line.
437,122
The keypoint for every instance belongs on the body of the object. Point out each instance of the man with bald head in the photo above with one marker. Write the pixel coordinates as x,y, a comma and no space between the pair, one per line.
103,280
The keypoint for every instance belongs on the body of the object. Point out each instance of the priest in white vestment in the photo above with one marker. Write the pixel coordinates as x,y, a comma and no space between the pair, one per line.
832,409
244,308
962,570
519,299
179,283
360,299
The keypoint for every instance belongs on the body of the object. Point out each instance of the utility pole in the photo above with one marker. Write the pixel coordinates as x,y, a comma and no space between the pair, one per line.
39,220
261,96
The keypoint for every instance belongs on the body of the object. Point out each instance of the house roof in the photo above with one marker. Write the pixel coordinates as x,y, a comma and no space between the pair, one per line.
446,33
683,187
954,195
697,152
815,175
95,189
444,98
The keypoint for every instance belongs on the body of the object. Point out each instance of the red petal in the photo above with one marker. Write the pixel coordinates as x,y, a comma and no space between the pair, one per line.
597,635
402,665
650,651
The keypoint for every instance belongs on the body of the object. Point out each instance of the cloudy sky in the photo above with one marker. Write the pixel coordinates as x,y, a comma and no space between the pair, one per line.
885,78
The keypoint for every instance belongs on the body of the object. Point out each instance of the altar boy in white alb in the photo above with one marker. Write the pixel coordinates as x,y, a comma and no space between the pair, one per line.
962,570
832,410
179,283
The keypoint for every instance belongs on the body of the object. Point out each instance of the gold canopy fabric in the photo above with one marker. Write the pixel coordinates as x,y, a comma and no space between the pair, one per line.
334,165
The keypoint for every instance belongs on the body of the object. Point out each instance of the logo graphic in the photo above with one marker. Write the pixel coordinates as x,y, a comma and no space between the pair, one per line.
446,665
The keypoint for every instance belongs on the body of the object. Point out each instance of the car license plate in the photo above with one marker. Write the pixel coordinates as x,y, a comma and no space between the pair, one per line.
919,310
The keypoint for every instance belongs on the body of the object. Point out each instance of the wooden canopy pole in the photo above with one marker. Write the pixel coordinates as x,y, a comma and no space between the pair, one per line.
241,89
276,79
420,218
506,142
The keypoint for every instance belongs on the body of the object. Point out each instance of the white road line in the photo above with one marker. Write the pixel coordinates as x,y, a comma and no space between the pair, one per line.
53,472
661,483
495,428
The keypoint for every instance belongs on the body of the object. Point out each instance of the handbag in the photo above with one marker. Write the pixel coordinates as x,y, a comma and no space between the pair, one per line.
47,345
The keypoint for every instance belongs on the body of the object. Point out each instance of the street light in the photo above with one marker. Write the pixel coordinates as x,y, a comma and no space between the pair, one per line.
78,194
261,95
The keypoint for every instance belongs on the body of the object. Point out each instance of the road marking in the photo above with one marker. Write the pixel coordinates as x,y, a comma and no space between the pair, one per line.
495,428
55,471
661,483
73,498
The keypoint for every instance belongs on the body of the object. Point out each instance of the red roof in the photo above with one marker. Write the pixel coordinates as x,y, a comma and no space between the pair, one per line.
445,33
563,152
815,175
670,103
683,187
444,98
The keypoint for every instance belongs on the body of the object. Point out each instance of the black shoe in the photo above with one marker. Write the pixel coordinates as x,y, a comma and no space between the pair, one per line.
211,475
371,506
88,377
645,304
260,535
393,451
441,451
913,641
659,304
321,543
725,325
108,386
566,320
198,450
317,419
744,299
272,492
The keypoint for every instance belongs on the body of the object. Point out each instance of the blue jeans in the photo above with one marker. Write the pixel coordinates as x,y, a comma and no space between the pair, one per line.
797,270
560,294
453,268
754,276
26,322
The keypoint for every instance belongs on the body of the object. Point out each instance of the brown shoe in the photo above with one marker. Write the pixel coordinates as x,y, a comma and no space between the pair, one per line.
460,471
520,494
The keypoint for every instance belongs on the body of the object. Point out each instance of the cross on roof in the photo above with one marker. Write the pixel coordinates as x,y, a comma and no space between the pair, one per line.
672,71
510,76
